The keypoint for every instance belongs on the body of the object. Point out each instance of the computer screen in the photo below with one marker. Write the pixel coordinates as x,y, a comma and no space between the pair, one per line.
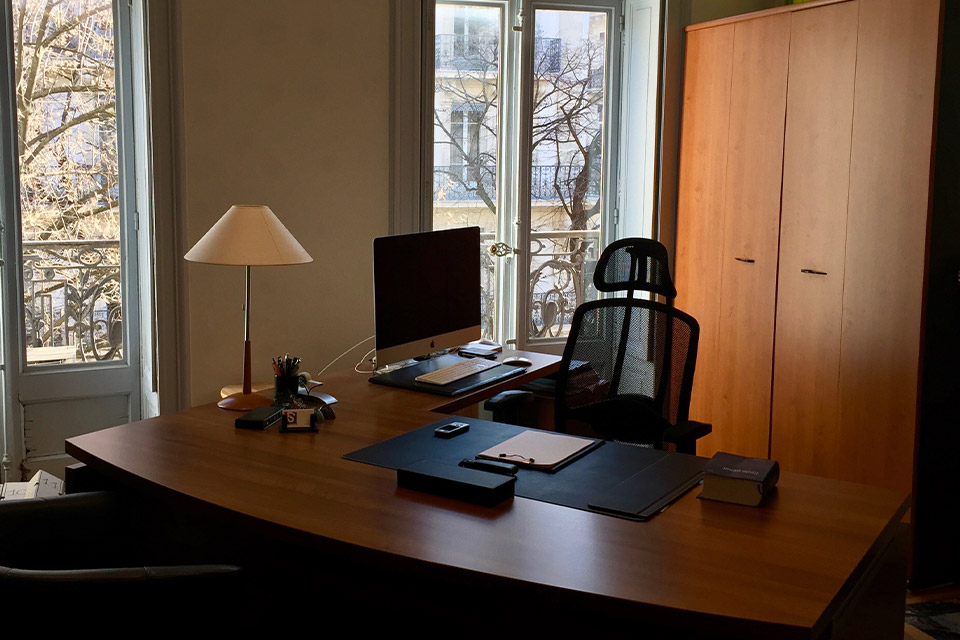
426,292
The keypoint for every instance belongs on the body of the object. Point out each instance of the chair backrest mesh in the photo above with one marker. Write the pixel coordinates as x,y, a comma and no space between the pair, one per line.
635,264
627,363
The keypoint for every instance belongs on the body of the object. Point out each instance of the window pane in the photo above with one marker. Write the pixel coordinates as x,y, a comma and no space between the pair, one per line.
567,156
466,131
69,179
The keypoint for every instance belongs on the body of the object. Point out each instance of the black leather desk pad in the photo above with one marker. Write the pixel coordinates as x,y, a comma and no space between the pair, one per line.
613,476
405,378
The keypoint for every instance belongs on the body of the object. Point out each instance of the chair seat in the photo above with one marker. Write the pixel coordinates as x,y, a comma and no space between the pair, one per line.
624,418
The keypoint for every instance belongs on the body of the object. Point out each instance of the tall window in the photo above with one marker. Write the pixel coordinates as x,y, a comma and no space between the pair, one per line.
526,145
523,149
73,136
543,131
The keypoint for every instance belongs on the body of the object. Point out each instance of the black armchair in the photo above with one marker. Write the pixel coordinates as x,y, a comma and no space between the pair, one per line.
85,555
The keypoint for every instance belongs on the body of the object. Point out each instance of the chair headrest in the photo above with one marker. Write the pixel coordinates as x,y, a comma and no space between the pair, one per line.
635,264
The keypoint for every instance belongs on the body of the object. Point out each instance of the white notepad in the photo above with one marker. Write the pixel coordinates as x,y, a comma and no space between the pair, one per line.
538,449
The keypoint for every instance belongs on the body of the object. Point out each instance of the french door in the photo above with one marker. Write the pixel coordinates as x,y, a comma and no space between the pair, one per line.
525,110
71,347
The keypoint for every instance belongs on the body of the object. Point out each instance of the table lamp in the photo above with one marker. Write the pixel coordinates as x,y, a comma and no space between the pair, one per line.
247,235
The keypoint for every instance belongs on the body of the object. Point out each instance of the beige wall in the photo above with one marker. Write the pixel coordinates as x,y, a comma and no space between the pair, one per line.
285,103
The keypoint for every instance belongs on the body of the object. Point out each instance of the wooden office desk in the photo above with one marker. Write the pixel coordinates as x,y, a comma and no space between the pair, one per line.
820,559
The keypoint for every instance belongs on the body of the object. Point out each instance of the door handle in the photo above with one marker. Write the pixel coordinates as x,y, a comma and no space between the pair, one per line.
813,272
501,249
747,260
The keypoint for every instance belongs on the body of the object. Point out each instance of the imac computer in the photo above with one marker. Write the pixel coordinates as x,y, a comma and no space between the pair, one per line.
426,292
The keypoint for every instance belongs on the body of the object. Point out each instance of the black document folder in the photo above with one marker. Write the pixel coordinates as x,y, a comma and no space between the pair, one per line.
648,491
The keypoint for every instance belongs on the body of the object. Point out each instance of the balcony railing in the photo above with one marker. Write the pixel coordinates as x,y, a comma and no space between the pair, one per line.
469,52
72,300
547,178
462,183
562,263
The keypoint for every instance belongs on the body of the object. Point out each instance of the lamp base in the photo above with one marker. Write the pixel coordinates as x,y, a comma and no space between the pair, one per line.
244,401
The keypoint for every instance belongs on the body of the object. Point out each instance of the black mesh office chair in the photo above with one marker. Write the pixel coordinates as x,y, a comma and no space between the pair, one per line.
627,369
627,372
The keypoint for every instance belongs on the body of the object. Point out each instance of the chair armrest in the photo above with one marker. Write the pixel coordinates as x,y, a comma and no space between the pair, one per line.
506,399
506,405
685,434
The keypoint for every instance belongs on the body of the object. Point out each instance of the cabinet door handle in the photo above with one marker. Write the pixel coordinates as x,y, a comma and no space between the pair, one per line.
813,272
747,260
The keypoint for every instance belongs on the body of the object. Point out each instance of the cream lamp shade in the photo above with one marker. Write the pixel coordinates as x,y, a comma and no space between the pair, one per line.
248,235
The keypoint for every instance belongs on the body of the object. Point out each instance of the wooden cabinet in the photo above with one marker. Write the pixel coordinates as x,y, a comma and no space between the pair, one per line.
813,221
801,227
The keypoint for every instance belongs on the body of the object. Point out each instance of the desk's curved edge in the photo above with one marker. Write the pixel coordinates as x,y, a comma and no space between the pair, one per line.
553,597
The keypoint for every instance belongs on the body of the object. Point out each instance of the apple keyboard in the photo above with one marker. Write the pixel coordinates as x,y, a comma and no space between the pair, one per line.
455,372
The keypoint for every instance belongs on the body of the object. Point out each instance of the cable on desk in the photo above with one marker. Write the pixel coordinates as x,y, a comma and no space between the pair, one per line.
331,363
373,361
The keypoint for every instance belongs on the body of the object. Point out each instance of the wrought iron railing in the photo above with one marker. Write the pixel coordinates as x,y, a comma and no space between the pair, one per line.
72,298
562,263
547,179
463,183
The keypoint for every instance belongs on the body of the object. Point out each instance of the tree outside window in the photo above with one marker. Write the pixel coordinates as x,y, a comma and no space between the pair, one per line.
69,177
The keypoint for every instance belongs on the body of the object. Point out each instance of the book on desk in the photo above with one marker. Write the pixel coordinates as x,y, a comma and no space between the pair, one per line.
738,479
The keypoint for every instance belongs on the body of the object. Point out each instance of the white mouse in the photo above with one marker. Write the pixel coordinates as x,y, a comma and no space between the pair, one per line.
517,361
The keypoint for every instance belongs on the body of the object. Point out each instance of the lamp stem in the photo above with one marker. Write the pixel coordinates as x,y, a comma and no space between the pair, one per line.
247,382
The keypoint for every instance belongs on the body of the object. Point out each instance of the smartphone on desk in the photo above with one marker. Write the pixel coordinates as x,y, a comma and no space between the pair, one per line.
451,429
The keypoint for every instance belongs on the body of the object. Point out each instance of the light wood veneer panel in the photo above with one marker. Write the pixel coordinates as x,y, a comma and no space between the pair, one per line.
886,239
741,417
816,163
703,162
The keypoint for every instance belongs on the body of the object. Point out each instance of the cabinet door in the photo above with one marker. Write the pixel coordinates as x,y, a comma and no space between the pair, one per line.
741,415
703,167
886,239
813,220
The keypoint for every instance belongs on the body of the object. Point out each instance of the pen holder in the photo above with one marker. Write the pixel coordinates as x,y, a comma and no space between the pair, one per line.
285,390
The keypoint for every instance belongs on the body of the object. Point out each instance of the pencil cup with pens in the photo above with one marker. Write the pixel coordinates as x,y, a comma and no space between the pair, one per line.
287,380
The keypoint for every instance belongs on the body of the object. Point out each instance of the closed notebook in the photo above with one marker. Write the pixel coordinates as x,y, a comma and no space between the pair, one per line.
540,450
737,479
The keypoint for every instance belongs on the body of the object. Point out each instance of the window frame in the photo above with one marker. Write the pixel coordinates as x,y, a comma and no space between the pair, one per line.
131,60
